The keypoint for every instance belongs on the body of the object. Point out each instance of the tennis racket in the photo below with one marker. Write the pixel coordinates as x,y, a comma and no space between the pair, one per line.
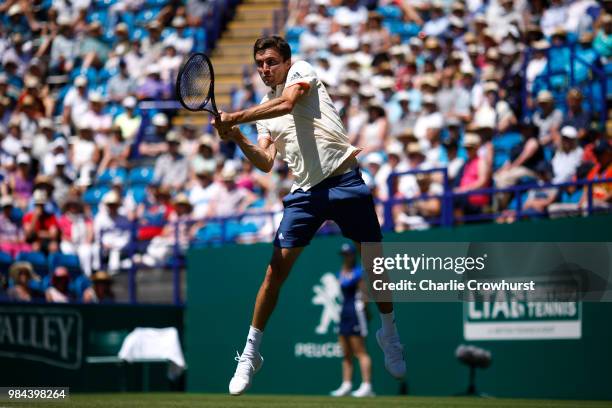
195,85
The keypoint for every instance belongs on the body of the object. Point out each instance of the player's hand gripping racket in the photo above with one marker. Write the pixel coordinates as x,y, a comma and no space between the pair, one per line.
195,85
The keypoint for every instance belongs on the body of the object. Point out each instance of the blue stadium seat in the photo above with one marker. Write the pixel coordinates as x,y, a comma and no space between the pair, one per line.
138,193
390,12
6,260
110,175
292,34
94,195
37,259
141,175
69,261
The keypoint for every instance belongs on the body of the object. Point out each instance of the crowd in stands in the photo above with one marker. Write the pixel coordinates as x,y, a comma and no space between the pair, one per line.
88,187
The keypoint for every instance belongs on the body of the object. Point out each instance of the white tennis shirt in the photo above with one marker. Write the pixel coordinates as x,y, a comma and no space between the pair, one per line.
311,139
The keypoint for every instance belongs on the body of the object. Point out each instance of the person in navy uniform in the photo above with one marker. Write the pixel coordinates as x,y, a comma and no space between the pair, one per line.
353,327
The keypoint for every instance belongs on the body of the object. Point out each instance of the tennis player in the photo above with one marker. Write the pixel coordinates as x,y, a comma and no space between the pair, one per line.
298,121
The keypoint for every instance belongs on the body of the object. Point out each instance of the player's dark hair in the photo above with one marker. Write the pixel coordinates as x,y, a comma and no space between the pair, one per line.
273,41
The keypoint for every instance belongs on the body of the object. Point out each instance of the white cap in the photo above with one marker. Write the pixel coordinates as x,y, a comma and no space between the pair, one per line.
429,98
80,81
569,131
374,158
45,123
111,198
129,102
59,142
6,200
402,96
23,158
179,21
159,119
14,9
61,160
312,19
64,19
396,149
96,97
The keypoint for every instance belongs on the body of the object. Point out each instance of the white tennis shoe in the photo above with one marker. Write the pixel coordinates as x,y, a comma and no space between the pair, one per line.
364,390
342,391
247,367
394,354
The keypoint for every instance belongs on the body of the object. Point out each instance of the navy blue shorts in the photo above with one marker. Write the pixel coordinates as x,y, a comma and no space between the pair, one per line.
344,199
353,321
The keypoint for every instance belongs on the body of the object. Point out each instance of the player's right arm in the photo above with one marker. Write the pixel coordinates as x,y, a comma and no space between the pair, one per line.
261,155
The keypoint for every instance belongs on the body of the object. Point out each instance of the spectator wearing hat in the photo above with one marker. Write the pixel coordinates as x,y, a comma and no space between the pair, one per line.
371,166
373,133
128,121
504,118
154,140
22,273
568,156
475,176
42,140
95,118
231,199
111,234
554,16
547,118
12,239
169,64
171,168
424,207
178,37
352,13
40,226
380,40
576,116
453,97
101,290
30,101
152,45
429,117
62,179
537,63
407,186
121,85
311,40
20,181
76,102
438,22
11,142
345,37
505,19
57,147
59,290
116,151
396,162
84,152
204,158
77,233
203,191
153,88
93,49
406,118
164,245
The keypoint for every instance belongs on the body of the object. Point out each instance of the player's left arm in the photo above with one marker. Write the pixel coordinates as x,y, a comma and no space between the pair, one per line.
273,108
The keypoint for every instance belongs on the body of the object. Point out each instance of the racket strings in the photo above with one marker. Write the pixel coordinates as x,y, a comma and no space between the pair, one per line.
195,84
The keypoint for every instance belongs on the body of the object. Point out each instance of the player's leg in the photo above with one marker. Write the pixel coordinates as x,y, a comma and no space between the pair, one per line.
347,368
298,226
365,364
280,265
250,361
352,208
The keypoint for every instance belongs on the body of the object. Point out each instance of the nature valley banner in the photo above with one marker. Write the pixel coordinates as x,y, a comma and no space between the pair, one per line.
49,335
